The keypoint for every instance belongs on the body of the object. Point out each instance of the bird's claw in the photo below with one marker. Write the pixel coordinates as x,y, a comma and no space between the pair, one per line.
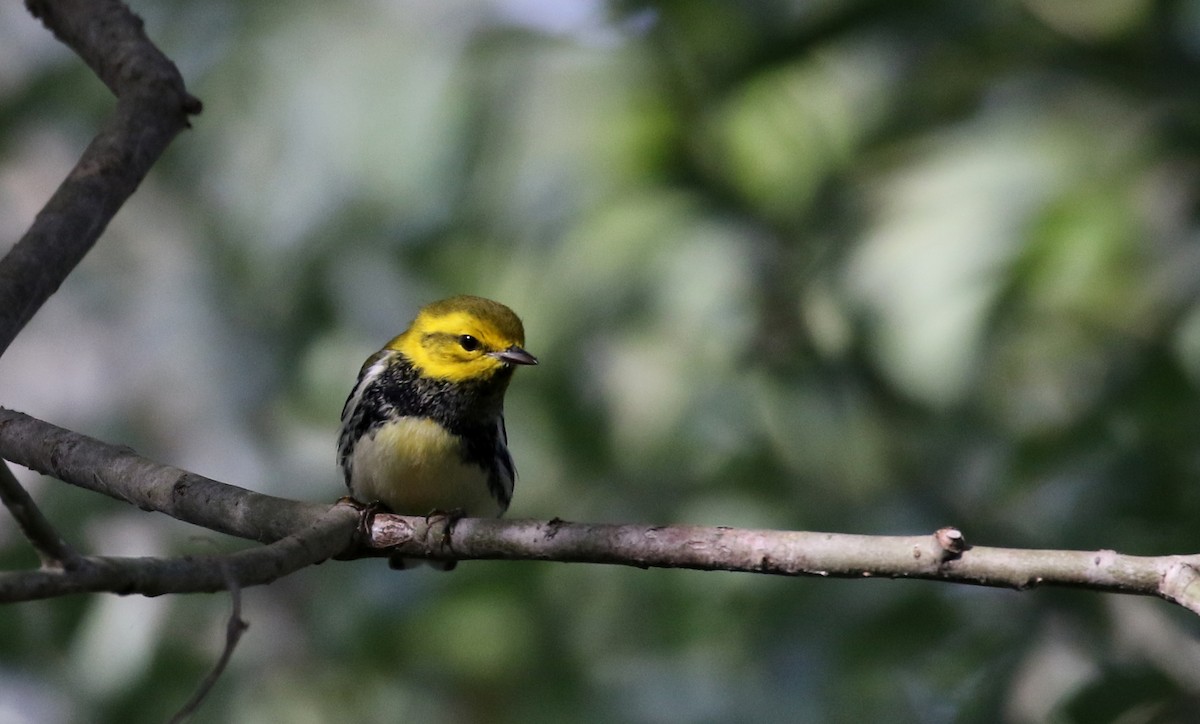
448,519
366,512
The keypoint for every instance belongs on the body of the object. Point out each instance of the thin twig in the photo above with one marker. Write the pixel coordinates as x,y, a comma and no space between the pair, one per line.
52,548
234,629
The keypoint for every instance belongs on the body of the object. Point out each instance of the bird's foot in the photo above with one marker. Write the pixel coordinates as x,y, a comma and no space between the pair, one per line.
366,512
446,519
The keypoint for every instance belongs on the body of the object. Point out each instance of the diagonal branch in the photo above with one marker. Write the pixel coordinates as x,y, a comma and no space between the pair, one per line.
53,551
121,473
152,108
111,39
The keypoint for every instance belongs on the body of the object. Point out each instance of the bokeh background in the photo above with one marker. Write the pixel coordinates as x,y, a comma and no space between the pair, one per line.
855,266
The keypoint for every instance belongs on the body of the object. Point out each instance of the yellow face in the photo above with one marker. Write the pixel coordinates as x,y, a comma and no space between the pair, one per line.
463,338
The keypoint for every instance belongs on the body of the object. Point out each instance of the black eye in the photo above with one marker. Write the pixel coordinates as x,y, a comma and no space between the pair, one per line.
468,342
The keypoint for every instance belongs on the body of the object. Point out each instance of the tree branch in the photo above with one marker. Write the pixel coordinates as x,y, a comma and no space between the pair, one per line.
120,473
330,534
942,556
51,548
234,628
152,108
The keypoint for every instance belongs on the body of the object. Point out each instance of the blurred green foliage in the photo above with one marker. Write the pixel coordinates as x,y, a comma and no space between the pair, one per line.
858,266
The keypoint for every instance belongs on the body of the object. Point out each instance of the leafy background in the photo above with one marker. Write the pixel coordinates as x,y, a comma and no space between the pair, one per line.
853,266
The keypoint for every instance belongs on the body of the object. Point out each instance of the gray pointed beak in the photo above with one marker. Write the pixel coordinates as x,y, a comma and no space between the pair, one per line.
514,355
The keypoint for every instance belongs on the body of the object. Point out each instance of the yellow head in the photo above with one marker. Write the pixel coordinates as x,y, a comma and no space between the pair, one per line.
463,338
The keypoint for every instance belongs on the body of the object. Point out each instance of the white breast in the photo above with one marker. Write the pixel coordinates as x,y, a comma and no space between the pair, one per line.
414,466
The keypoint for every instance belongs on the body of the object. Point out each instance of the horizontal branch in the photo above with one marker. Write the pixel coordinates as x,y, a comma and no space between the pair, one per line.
942,555
331,534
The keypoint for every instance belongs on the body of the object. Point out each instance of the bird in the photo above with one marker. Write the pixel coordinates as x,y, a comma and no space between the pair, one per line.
422,431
